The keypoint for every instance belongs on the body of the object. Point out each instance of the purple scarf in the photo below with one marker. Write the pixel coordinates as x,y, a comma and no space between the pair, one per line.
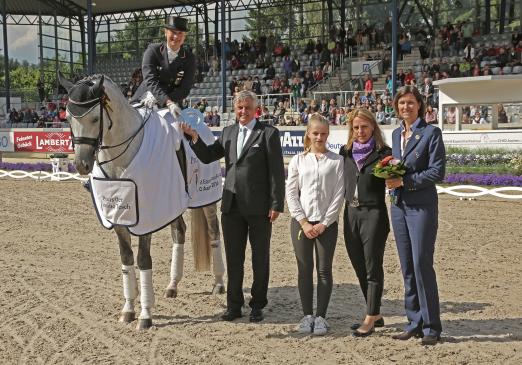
360,151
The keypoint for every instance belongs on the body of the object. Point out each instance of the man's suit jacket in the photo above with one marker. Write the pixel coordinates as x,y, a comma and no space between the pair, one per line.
163,79
425,160
257,177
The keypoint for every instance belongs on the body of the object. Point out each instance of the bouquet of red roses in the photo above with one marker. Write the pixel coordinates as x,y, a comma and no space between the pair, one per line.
389,167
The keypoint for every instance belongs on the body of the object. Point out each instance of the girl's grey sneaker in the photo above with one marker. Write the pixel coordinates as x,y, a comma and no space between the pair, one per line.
320,326
306,325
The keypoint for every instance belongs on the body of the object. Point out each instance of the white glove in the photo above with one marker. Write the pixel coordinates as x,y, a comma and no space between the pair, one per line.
174,109
148,100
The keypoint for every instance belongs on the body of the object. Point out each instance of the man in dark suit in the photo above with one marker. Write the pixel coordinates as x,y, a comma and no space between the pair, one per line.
253,197
168,69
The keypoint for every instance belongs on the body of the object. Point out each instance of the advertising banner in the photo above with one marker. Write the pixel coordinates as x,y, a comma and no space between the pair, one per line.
42,142
6,142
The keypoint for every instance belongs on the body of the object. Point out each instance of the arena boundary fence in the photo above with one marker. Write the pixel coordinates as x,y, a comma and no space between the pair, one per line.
461,191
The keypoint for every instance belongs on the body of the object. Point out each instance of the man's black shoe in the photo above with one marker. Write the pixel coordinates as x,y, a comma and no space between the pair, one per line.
430,340
406,335
230,315
256,315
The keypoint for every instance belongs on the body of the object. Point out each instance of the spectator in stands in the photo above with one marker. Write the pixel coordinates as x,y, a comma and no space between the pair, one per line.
216,119
475,70
232,86
409,77
308,81
327,69
270,73
202,105
309,49
265,115
301,106
502,115
324,108
315,59
256,86
278,50
287,66
486,71
431,115
214,65
62,114
324,56
368,83
451,115
248,83
503,57
235,63
477,118
279,112
13,116
427,91
276,85
455,71
260,61
444,66
318,74
380,115
208,118
401,77
469,52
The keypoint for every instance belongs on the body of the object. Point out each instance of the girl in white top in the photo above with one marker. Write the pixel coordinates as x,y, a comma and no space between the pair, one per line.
315,194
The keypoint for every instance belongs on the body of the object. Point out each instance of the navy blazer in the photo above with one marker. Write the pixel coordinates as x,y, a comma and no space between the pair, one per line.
163,79
425,160
257,178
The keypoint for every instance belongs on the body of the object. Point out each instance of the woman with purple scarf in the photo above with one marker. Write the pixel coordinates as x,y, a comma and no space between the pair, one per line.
366,224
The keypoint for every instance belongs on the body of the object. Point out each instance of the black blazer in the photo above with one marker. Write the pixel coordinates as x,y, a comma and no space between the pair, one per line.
166,80
370,188
257,177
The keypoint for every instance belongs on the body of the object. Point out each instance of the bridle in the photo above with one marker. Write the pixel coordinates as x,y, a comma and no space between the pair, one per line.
97,143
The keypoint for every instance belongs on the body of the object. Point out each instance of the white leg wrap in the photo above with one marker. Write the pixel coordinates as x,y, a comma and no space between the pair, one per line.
147,294
176,266
130,287
218,267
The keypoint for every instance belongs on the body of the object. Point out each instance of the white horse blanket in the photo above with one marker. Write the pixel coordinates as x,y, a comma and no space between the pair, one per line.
151,193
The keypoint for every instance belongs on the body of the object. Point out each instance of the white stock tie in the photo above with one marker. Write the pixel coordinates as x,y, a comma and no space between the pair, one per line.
241,140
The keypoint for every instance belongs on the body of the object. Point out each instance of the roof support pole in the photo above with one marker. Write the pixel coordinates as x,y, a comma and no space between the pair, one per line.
487,20
56,54
71,59
216,29
502,16
223,58
230,21
40,44
6,59
82,37
90,38
109,38
205,19
395,22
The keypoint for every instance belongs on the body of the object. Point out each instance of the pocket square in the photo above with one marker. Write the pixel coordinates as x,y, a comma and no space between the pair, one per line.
256,145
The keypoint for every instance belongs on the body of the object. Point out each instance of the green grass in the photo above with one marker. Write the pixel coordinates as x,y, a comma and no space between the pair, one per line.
480,151
495,169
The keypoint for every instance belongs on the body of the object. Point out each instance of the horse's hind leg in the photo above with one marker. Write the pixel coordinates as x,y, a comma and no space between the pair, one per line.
218,268
147,289
177,230
130,285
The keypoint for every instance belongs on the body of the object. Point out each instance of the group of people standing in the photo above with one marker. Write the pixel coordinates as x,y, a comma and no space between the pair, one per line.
319,182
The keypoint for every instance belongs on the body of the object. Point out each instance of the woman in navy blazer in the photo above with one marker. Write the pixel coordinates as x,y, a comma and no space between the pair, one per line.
414,216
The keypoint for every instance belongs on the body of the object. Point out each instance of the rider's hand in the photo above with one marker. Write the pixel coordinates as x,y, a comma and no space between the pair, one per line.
149,100
174,109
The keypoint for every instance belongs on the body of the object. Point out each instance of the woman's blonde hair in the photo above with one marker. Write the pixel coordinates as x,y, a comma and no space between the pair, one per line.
314,118
368,116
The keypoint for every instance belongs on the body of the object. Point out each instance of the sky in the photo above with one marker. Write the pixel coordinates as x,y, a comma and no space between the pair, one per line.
22,42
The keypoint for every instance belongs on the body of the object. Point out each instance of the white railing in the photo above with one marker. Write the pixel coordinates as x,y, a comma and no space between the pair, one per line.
462,191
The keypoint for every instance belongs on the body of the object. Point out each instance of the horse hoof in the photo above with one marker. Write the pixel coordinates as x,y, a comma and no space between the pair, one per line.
171,293
218,289
127,317
144,324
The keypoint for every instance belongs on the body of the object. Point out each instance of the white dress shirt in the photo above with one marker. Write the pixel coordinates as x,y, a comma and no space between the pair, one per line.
315,187
249,127
171,55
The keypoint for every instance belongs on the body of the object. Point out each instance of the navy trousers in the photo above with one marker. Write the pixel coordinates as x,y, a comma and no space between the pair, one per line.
415,230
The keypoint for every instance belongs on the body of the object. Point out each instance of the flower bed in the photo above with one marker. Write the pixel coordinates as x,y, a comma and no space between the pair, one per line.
39,166
483,179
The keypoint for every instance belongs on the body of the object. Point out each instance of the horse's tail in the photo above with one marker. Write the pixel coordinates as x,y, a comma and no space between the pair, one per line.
200,240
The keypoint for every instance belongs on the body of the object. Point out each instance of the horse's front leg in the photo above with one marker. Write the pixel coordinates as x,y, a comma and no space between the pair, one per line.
178,229
147,289
130,284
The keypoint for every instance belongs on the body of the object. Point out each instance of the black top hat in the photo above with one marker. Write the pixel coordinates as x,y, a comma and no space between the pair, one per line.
177,23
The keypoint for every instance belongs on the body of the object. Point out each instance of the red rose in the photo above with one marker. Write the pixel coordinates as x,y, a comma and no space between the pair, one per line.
386,160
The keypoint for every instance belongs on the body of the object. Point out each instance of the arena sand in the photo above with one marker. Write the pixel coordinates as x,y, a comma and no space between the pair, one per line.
61,293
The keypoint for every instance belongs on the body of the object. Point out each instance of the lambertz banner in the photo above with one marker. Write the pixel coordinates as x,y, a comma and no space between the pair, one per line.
42,141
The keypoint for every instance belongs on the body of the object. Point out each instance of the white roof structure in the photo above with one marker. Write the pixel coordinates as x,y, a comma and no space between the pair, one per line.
479,90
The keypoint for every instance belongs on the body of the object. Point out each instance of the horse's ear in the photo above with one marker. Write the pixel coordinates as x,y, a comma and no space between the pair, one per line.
97,88
64,82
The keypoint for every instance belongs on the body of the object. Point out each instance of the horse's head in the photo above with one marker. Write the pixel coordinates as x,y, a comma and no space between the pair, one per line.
85,115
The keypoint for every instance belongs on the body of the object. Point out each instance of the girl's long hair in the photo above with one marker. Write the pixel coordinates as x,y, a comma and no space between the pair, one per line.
314,118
